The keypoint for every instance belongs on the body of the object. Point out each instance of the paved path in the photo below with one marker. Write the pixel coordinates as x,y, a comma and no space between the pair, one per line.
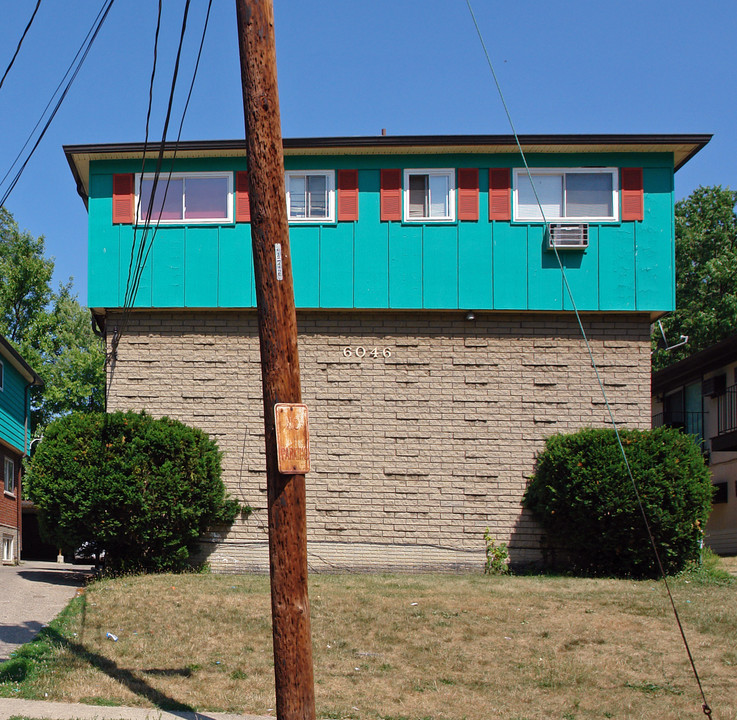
71,711
31,595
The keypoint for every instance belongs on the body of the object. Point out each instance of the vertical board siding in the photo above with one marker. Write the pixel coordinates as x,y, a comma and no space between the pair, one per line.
616,267
336,258
103,246
544,279
654,243
304,241
168,268
476,263
201,266
371,247
440,267
236,286
142,258
581,270
12,407
405,266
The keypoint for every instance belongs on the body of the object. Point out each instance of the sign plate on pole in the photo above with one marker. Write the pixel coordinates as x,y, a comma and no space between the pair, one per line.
292,438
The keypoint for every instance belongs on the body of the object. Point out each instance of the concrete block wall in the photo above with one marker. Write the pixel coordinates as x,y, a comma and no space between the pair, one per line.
424,426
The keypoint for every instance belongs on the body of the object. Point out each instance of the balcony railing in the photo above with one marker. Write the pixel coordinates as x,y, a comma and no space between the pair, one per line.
727,411
690,422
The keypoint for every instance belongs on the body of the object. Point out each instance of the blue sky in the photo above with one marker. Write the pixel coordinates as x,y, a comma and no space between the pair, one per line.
351,67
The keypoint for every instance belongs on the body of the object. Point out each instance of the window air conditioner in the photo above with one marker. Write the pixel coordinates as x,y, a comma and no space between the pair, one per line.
568,237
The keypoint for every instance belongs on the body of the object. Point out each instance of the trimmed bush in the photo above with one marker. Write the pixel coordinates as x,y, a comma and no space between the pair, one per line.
141,489
583,497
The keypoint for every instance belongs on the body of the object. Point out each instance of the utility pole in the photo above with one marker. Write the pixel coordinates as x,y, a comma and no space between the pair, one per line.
277,324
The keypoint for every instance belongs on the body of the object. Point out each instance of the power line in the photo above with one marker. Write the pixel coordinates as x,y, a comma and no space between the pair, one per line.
705,706
82,55
20,42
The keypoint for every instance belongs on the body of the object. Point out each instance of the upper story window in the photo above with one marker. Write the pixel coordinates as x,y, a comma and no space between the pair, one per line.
9,472
310,195
573,195
186,198
429,195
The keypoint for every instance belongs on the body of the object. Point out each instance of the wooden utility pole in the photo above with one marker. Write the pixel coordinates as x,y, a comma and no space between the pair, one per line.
277,323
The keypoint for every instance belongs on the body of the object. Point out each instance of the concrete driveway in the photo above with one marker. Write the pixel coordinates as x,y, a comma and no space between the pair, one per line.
31,595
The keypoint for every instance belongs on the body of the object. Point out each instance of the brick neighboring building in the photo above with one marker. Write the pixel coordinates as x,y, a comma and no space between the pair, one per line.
436,343
16,380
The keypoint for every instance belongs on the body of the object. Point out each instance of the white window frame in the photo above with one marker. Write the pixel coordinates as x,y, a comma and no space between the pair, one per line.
449,173
163,178
522,173
329,176
8,486
8,548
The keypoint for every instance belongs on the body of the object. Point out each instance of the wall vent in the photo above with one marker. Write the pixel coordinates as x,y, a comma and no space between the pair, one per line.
568,237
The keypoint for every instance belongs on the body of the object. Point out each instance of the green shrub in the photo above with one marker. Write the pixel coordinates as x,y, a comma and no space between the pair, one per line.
583,497
141,489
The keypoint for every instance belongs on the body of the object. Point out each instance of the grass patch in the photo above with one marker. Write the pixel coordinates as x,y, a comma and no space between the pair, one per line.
446,647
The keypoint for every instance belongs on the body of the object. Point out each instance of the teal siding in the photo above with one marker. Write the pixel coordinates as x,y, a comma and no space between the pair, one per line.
12,407
475,265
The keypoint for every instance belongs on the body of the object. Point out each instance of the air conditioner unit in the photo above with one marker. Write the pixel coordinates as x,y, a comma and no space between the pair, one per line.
568,237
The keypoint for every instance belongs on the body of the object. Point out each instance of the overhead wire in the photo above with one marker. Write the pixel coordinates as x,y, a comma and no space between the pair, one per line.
20,43
139,258
74,68
705,705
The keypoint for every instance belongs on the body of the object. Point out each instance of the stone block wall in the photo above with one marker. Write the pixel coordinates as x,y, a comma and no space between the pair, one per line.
424,426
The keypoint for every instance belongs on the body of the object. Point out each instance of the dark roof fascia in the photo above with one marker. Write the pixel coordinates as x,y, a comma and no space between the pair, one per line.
369,141
693,367
8,351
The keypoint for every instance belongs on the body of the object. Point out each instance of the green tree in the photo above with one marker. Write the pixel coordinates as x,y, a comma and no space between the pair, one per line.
142,489
51,330
706,274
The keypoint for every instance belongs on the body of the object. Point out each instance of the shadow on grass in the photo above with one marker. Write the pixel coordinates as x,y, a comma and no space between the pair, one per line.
21,666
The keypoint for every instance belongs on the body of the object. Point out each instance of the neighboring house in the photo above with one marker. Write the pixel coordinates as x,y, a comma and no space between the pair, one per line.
16,380
437,343
699,395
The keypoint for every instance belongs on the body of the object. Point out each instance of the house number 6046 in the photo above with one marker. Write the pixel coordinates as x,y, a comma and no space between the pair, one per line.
362,352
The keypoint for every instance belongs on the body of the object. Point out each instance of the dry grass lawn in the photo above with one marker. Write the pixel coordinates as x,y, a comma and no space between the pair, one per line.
404,646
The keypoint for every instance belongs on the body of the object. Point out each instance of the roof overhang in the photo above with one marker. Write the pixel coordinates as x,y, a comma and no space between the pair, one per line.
694,366
683,148
10,354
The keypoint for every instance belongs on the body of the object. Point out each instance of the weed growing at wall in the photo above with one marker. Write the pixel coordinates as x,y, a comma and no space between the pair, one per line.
584,499
497,556
141,489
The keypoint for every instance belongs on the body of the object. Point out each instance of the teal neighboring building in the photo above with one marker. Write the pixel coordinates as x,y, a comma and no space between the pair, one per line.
436,334
16,380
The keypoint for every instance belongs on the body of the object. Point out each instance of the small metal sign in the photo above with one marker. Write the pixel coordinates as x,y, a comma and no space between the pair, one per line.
292,438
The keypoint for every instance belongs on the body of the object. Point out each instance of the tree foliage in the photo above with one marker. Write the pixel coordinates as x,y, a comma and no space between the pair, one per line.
585,501
706,268
142,489
50,330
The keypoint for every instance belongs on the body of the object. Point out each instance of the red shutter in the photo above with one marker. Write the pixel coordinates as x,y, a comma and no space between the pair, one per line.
391,194
347,195
123,198
500,192
633,206
468,194
242,206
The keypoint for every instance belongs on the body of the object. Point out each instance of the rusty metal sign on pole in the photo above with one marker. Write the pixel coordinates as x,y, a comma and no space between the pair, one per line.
277,324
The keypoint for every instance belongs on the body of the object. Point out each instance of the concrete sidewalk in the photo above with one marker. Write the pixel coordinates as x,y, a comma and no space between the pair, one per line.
10,707
33,594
